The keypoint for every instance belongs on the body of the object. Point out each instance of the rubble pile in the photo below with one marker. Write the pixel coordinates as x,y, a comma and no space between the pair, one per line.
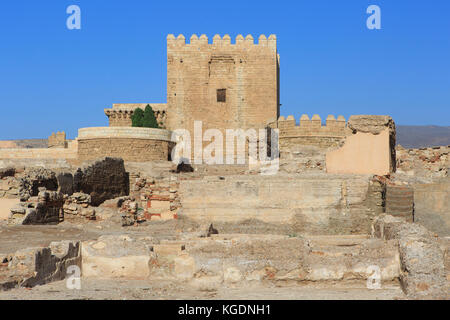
78,205
131,213
425,162
45,208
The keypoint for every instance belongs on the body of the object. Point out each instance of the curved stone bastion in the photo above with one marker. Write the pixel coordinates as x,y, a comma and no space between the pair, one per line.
128,143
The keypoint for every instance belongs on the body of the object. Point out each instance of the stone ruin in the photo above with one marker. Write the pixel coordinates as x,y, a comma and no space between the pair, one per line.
348,209
48,197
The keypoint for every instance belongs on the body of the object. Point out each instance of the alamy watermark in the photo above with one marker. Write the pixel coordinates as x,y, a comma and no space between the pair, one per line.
73,278
74,20
374,20
259,147
374,280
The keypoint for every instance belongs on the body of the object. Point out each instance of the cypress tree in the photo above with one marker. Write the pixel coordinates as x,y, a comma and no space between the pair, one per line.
137,118
149,119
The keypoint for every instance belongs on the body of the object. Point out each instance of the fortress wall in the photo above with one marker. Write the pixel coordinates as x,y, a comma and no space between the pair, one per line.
309,133
128,143
7,144
39,153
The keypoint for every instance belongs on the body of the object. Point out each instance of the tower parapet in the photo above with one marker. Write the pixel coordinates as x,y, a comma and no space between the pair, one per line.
217,40
57,140
225,83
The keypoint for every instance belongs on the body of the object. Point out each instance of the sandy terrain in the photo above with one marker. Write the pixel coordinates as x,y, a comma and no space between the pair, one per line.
5,206
119,289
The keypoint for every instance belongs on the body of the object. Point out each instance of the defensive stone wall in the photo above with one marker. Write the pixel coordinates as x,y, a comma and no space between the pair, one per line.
120,114
310,132
128,143
39,153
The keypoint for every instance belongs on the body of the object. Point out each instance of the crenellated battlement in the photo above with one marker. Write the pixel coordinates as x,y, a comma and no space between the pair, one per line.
57,140
217,40
310,127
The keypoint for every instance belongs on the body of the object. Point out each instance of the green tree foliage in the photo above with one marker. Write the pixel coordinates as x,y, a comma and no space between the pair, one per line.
149,120
137,119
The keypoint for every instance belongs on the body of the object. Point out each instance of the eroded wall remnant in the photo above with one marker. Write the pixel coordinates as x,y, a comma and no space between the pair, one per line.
102,179
369,147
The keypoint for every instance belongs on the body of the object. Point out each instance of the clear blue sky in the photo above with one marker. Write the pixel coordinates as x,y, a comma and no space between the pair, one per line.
52,78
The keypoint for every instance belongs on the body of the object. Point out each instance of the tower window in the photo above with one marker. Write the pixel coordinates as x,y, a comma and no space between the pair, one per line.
221,95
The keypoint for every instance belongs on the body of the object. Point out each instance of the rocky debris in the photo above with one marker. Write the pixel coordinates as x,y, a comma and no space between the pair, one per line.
428,163
102,179
131,213
211,231
184,167
158,195
9,187
7,172
115,203
36,266
206,230
78,204
46,208
370,123
422,259
35,178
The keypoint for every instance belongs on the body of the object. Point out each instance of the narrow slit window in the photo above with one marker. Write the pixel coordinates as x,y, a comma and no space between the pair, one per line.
221,95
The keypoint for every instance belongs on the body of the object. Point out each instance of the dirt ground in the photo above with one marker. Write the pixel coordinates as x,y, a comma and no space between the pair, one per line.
164,290
5,206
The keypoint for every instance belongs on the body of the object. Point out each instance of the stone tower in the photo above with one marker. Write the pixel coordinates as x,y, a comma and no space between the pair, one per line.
224,85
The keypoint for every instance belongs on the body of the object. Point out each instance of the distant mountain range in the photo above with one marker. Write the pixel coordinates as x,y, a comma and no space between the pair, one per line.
25,143
422,136
407,136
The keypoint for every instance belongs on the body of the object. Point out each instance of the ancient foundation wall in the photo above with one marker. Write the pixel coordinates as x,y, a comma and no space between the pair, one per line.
128,143
432,206
316,204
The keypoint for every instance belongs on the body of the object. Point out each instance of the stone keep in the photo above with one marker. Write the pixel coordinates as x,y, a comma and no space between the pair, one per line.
225,85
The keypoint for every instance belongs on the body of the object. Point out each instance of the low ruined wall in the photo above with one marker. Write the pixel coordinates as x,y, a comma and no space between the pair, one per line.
315,204
37,266
432,206
130,144
362,153
369,147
